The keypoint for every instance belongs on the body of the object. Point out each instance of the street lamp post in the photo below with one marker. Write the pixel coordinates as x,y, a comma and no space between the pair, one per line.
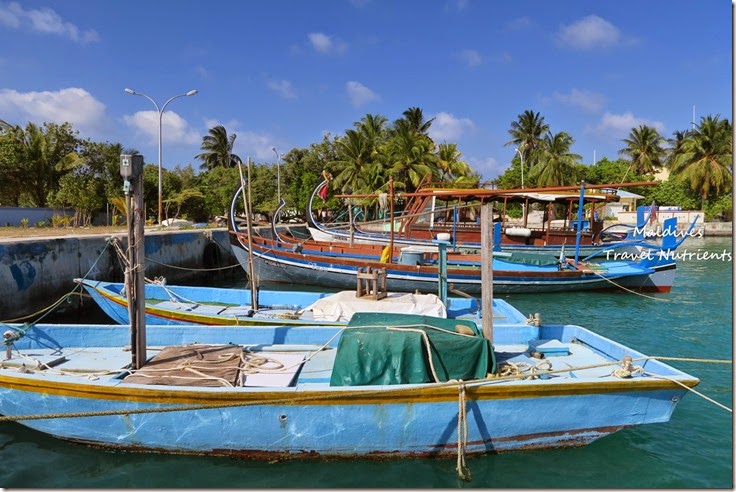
278,176
160,116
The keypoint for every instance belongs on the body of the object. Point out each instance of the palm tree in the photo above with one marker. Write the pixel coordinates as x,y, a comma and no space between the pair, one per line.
704,159
450,166
678,138
373,127
526,133
410,155
415,119
43,156
557,165
218,147
353,152
644,148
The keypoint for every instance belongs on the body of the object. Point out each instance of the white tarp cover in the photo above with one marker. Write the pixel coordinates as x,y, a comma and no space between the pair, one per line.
342,306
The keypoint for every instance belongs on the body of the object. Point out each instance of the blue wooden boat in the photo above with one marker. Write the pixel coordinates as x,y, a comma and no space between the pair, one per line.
179,304
427,387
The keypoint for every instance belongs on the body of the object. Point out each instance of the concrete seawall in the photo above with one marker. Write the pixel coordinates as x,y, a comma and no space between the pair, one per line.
35,272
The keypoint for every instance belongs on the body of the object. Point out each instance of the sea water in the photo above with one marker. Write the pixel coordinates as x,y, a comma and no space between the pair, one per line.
693,450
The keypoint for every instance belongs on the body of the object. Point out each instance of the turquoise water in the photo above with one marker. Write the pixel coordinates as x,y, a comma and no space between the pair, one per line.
693,450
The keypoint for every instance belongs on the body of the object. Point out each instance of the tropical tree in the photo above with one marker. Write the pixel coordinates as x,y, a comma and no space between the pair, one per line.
557,164
410,156
217,149
644,149
526,134
704,159
354,154
373,127
79,190
450,167
35,158
414,118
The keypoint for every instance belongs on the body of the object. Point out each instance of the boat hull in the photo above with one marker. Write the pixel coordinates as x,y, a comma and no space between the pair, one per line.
327,424
314,271
311,418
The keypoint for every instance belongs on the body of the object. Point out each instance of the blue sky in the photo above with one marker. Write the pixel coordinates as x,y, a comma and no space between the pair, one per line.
283,73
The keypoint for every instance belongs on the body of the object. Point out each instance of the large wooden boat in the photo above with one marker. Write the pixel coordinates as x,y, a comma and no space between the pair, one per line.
281,259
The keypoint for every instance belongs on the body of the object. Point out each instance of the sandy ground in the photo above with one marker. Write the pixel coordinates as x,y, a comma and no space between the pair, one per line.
28,232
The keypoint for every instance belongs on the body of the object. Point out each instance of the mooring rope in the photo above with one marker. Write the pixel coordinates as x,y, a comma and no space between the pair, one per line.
640,293
463,470
65,298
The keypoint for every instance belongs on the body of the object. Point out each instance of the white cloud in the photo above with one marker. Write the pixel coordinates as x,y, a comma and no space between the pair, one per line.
487,167
360,94
73,105
519,24
282,87
618,126
589,33
174,128
471,58
322,43
585,100
45,21
446,127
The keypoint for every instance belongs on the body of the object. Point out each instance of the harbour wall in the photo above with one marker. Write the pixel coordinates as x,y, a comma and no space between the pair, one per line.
36,272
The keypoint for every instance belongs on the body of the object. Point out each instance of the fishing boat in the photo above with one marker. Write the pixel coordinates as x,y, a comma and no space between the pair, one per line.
280,259
384,386
433,212
179,304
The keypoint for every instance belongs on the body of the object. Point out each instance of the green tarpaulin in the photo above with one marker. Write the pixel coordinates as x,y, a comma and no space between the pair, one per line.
379,348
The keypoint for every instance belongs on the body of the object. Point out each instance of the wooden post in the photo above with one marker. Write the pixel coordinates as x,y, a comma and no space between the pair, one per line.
139,267
130,278
486,272
246,206
391,217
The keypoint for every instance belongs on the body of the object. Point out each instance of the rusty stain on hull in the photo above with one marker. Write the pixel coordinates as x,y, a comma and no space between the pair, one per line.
543,440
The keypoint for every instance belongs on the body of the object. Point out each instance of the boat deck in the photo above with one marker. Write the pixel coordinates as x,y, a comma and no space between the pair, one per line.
305,366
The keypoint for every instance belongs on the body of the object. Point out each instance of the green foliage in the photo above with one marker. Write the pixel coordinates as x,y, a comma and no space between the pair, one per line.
720,209
703,158
49,164
218,186
173,206
557,164
217,149
79,191
671,192
33,160
644,148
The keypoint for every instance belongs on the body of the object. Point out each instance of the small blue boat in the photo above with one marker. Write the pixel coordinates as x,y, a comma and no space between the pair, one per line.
179,304
382,386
